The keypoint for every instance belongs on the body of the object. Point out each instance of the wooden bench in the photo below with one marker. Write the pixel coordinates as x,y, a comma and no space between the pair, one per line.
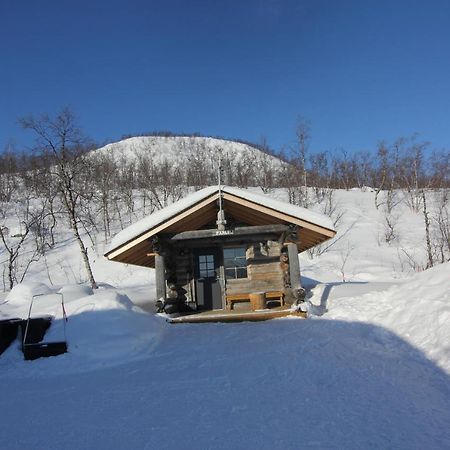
231,299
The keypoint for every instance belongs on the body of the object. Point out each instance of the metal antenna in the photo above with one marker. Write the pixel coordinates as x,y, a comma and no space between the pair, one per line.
219,177
221,222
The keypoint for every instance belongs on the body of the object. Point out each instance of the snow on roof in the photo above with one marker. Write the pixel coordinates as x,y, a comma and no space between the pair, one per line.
159,217
283,207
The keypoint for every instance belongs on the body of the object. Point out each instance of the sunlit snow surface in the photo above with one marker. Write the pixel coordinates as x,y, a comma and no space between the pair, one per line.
371,368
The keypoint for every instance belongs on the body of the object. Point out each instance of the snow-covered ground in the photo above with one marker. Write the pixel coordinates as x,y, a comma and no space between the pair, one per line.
370,369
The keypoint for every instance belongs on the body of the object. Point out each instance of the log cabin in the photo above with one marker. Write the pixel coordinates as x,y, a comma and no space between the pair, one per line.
224,250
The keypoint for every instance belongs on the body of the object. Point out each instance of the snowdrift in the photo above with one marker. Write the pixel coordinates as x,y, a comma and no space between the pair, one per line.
103,327
417,309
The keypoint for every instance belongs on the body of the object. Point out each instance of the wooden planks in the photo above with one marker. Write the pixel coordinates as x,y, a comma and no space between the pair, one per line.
164,226
242,297
252,207
234,316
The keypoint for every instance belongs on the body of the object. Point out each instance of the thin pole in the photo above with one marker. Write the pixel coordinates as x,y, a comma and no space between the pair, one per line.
219,177
221,222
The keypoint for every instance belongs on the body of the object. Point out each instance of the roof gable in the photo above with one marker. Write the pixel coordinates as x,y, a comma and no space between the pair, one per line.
193,212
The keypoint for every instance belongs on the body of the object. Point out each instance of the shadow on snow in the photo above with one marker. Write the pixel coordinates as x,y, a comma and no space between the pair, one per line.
286,383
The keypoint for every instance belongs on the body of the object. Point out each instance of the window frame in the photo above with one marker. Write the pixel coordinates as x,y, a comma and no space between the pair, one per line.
206,266
235,267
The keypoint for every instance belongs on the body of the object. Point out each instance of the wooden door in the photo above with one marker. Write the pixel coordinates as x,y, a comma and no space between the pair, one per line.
207,269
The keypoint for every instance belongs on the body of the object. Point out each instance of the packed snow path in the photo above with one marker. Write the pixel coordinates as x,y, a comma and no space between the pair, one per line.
288,383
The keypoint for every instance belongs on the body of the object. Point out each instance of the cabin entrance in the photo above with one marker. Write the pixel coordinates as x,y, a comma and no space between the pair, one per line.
207,273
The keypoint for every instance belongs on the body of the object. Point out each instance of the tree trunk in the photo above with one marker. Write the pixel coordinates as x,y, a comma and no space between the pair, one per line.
83,249
427,231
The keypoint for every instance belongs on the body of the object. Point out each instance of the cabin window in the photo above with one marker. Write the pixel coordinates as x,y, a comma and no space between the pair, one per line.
206,266
235,263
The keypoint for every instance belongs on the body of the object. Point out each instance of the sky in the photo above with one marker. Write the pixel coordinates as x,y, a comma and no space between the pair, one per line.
358,71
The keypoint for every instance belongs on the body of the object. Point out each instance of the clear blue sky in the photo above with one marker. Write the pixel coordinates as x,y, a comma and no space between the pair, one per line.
360,71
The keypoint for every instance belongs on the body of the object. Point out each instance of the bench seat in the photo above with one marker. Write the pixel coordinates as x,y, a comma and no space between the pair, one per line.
231,299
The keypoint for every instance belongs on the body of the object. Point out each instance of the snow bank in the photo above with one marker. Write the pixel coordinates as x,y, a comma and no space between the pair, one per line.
107,326
75,291
21,294
18,300
104,327
417,310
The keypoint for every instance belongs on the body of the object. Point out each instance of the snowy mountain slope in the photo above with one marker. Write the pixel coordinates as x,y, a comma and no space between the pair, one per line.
184,150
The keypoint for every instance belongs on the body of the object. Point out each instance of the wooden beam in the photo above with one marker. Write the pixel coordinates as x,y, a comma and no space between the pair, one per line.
232,316
160,277
238,231
294,266
279,215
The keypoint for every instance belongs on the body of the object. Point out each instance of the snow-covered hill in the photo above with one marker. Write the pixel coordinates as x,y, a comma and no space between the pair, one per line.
182,151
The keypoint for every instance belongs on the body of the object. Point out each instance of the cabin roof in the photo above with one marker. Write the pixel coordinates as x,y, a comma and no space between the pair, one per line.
194,211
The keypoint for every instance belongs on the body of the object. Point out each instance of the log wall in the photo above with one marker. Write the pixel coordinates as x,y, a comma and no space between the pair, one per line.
264,272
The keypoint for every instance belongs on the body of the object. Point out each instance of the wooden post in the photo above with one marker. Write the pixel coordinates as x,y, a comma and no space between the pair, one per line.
294,266
258,300
160,277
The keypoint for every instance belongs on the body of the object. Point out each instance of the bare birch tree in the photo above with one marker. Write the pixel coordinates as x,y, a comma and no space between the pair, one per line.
62,142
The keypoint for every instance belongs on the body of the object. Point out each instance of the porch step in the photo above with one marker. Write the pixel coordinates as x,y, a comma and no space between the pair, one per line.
230,316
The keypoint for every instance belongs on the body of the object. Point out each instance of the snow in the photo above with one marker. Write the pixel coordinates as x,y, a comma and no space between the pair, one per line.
74,291
181,150
103,327
280,384
161,216
277,205
417,309
369,369
21,295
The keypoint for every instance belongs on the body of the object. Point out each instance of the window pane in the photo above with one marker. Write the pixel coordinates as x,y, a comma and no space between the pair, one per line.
202,266
203,273
240,263
211,273
210,258
235,262
228,262
202,258
228,253
229,273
